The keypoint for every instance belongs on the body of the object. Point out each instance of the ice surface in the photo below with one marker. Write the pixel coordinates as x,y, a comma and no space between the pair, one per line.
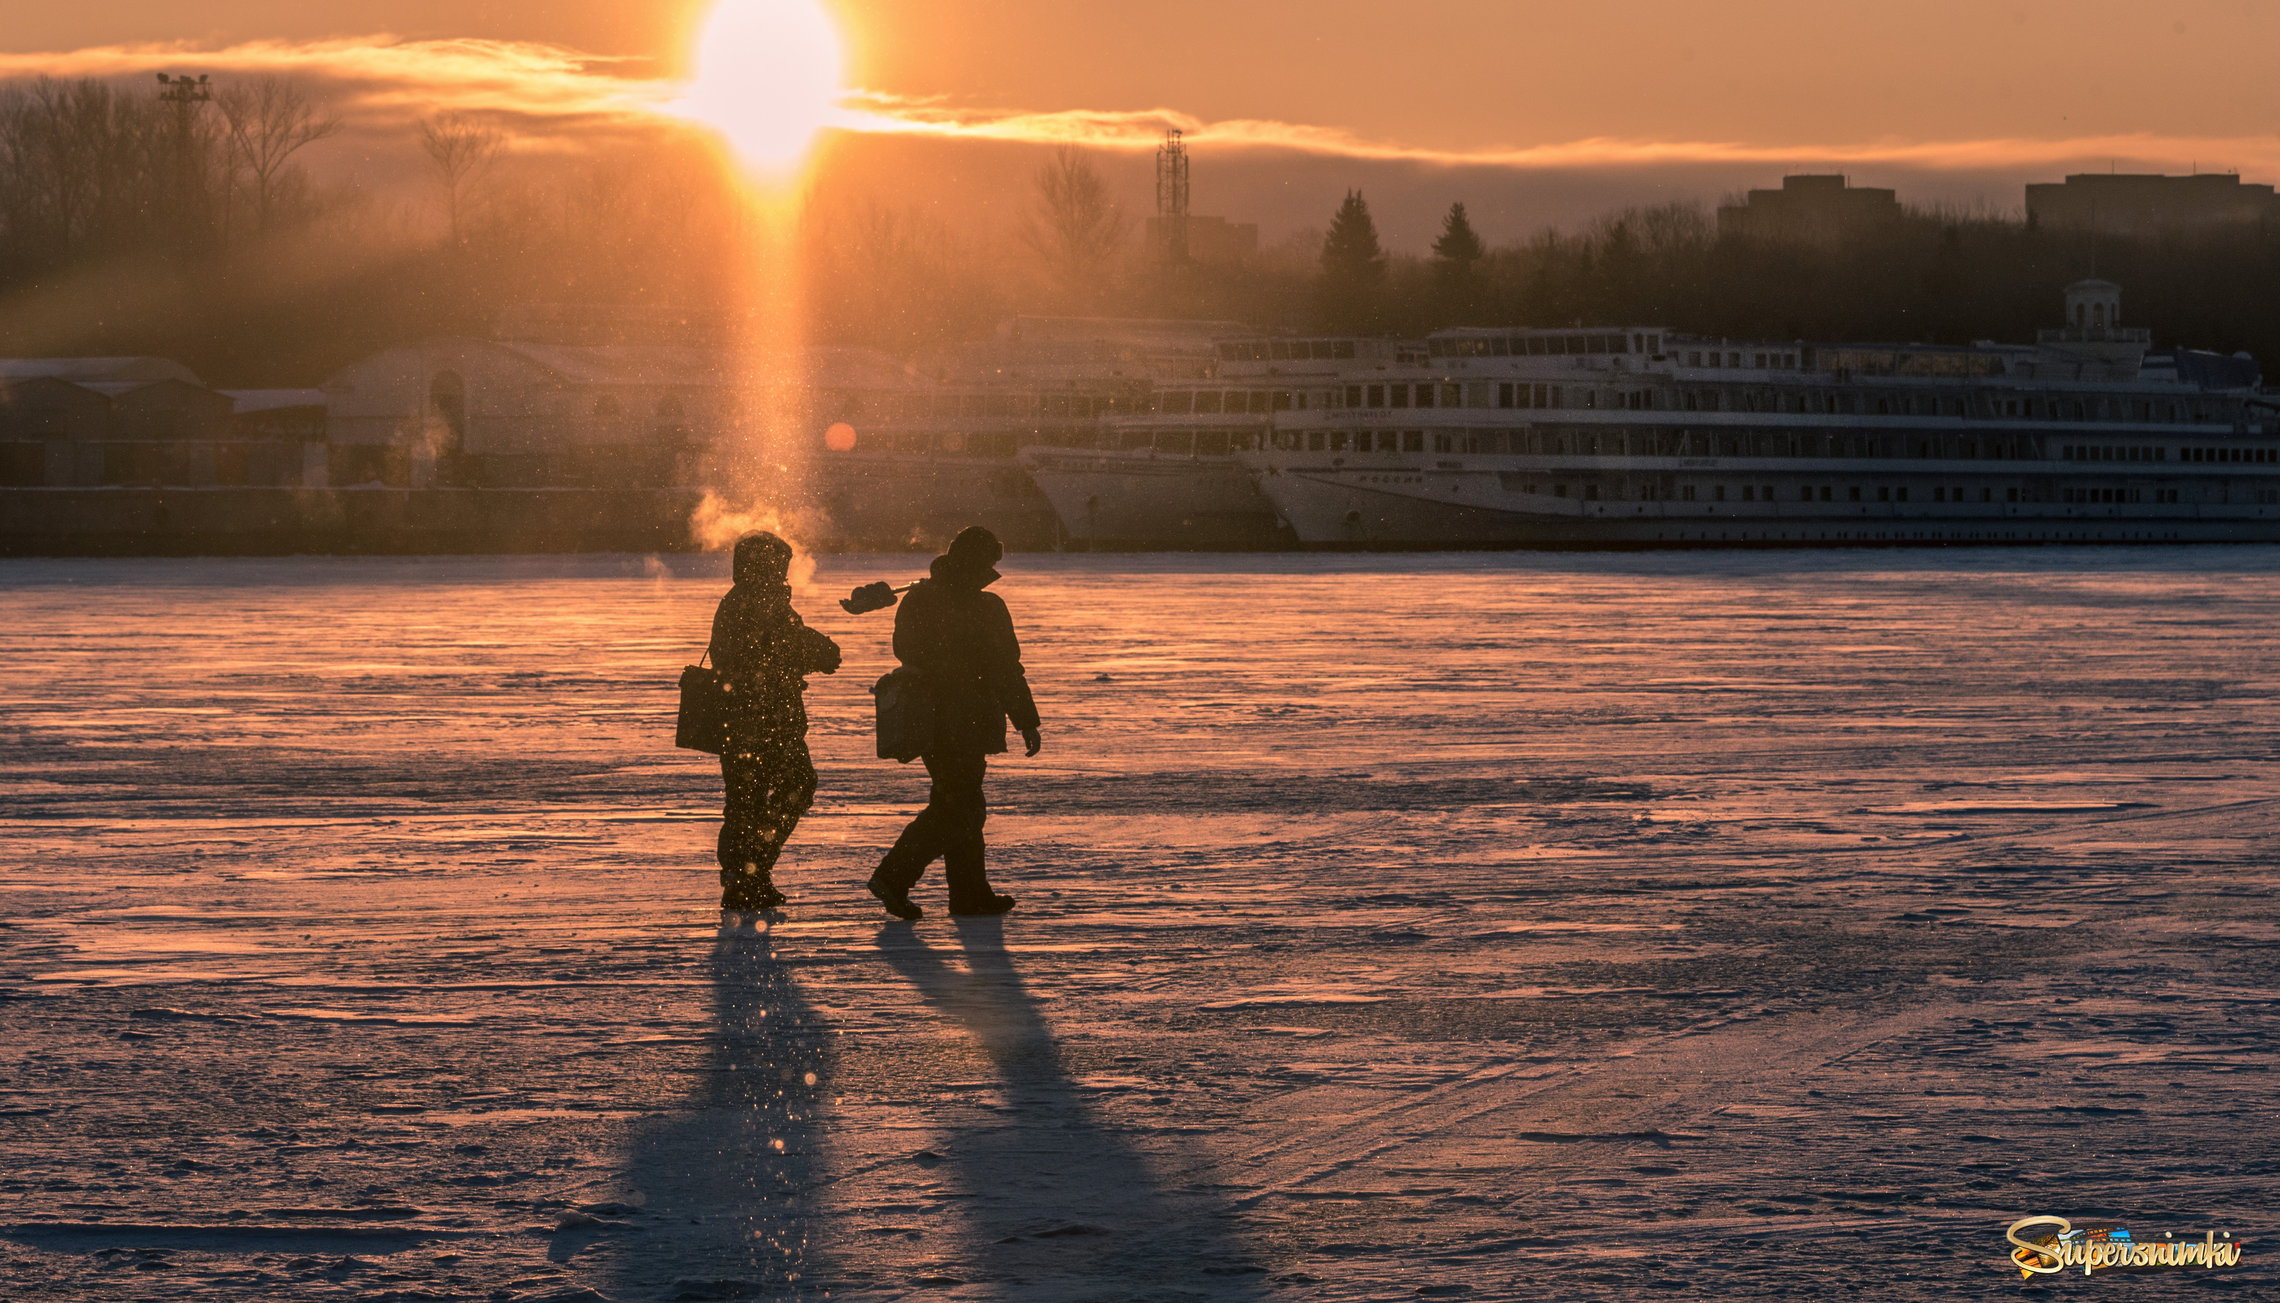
1551,927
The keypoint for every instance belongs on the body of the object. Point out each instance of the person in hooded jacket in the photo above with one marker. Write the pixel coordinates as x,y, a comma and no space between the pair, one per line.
960,640
764,653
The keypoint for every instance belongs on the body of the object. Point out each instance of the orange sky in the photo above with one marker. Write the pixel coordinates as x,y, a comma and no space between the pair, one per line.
1947,99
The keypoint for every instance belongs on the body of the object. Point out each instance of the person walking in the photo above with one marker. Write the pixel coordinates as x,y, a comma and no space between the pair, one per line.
764,653
959,640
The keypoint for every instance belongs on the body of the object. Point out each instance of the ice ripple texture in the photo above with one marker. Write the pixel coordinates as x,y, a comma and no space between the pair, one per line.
1562,927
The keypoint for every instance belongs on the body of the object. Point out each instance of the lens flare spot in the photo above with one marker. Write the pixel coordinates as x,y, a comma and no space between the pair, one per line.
840,437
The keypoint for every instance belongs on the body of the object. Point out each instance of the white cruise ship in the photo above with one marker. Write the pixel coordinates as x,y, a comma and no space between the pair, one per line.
1165,474
1642,437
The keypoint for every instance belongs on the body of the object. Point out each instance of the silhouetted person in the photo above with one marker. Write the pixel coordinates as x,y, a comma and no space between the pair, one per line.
764,653
960,640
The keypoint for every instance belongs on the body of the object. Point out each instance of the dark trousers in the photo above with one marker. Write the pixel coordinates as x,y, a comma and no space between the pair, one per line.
769,788
949,828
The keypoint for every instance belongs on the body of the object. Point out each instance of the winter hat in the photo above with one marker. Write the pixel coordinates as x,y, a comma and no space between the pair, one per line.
762,558
974,555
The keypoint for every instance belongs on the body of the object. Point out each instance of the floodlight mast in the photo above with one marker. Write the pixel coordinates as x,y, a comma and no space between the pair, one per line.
187,95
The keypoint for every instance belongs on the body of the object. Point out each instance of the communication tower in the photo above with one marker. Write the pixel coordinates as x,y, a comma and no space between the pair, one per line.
1172,197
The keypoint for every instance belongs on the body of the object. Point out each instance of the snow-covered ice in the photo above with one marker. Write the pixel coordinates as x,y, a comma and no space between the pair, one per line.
1513,926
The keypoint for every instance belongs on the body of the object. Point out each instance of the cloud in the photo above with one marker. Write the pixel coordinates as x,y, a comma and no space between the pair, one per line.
1144,129
389,78
546,89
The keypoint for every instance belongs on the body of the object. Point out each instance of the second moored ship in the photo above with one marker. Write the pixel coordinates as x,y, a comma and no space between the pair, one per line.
1644,437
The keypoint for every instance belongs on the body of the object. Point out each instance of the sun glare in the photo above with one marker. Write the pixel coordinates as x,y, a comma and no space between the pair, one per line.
767,78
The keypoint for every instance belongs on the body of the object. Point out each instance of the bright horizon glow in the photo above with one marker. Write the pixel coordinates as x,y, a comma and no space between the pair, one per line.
768,78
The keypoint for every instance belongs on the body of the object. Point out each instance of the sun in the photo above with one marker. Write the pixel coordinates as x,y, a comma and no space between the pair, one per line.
767,79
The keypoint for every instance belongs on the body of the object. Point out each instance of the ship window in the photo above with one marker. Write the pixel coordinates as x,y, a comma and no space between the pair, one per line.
1260,401
1451,396
1591,492
1343,349
1694,359
1442,441
1504,395
1376,396
1901,493
1827,493
1767,493
1748,494
1687,493
1424,396
1413,441
1211,443
1559,490
1353,395
1206,403
1314,440
1535,345
1718,492
1855,493
1884,493
1399,394
1500,347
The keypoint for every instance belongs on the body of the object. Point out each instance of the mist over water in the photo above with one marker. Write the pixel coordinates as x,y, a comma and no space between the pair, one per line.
1386,923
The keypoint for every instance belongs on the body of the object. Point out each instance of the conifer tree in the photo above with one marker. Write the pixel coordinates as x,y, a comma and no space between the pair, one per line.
1353,267
1458,248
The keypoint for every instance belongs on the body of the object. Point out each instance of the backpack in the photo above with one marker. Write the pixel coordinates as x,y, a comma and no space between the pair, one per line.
905,713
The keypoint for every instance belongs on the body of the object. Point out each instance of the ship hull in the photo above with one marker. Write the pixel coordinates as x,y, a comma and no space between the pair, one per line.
1142,501
892,502
1391,504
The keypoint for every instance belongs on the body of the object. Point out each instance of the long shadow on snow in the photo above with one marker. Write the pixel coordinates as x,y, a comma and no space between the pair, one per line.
1058,1201
728,1181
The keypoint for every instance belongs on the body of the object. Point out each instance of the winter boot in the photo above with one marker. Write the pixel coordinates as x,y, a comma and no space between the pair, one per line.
985,904
751,894
896,899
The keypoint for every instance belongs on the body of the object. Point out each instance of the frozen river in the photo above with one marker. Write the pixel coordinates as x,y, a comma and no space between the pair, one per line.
1560,927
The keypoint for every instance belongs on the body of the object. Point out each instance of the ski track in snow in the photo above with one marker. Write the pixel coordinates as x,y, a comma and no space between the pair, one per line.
1516,926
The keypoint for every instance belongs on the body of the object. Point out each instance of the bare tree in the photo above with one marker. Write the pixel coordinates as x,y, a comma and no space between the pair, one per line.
1074,226
460,150
268,120
86,168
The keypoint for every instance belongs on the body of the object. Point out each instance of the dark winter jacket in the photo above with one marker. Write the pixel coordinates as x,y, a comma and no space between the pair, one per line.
960,640
764,652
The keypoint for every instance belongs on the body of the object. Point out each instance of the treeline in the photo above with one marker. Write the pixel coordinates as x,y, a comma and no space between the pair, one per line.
183,220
